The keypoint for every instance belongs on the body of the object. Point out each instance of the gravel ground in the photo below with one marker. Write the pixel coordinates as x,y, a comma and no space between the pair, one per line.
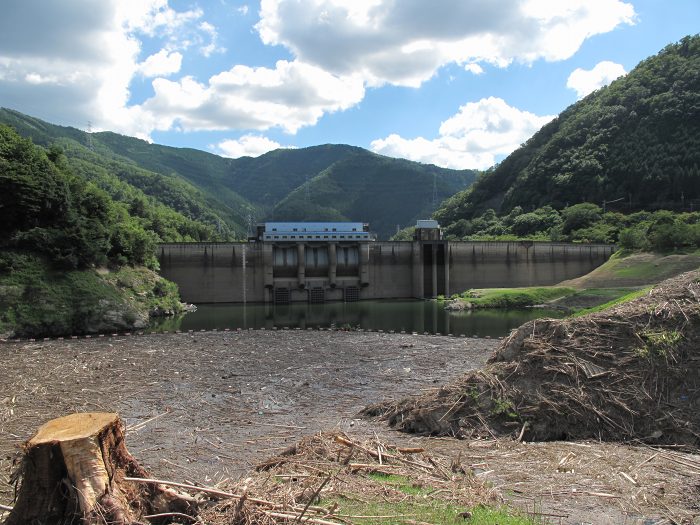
205,407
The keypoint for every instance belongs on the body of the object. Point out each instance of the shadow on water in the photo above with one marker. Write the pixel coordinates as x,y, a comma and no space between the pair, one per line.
411,316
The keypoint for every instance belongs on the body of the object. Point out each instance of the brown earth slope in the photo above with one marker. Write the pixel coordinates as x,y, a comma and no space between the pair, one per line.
628,373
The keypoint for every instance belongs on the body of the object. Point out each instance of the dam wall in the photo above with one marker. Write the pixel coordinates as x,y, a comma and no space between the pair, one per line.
321,271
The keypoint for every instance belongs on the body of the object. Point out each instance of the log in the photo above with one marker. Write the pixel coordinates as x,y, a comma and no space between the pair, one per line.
73,471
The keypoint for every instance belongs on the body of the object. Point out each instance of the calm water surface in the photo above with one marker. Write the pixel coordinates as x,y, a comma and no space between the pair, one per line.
411,316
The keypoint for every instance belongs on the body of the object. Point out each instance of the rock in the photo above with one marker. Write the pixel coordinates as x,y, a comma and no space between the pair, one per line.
457,305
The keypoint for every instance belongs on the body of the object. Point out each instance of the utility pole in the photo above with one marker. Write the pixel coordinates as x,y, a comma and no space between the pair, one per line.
605,202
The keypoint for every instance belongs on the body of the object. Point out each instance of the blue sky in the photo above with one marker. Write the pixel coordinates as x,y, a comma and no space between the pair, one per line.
457,83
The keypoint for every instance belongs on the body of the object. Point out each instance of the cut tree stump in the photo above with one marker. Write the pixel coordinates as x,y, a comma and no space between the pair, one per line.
73,471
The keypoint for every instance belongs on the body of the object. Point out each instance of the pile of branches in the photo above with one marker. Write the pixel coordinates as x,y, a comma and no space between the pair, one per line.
310,481
631,372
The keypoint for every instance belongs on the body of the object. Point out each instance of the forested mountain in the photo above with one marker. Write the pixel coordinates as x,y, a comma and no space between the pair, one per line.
320,182
633,145
382,191
126,180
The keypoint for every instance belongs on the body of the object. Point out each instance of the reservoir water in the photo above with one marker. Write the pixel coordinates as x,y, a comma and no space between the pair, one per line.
409,316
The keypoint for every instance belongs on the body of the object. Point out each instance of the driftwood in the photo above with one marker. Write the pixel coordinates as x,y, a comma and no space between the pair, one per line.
74,470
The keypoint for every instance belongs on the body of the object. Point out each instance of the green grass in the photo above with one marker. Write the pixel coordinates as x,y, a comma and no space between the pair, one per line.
514,297
420,505
619,300
401,483
641,270
658,343
427,510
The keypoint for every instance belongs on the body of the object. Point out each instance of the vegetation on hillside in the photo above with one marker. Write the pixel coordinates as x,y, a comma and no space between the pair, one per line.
633,145
660,230
55,228
183,211
225,194
382,191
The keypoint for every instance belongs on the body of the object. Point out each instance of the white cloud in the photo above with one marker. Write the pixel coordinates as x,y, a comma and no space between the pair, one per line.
474,68
290,96
161,63
72,62
472,138
586,81
211,47
405,42
243,10
246,146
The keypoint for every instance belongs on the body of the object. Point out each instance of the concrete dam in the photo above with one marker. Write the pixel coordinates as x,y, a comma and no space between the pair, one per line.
317,270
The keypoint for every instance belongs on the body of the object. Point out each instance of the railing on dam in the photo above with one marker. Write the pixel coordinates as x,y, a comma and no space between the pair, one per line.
327,271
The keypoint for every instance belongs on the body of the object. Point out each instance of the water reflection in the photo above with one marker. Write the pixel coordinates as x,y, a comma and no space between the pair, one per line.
411,316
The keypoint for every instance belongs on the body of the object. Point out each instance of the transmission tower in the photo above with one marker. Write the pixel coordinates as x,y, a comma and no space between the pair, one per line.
89,136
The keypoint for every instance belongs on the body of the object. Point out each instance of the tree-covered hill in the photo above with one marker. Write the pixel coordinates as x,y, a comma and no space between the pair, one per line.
633,145
57,229
375,189
220,213
224,193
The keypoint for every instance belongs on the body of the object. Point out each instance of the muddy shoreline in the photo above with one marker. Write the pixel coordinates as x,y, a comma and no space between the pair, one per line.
206,407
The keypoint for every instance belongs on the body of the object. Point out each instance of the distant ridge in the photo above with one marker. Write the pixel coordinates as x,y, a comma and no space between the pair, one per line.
323,182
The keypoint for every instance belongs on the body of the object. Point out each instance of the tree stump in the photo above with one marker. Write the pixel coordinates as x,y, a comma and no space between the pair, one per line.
73,471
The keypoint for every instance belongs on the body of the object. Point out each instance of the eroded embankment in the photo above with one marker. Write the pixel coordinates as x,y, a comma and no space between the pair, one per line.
628,373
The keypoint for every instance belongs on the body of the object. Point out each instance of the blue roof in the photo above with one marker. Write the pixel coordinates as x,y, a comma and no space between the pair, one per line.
313,227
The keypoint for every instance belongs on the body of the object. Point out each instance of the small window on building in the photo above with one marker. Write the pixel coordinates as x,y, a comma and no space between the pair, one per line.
274,229
284,236
354,229
325,236
294,229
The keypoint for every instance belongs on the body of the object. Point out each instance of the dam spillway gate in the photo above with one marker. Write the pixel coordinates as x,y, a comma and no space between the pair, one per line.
315,272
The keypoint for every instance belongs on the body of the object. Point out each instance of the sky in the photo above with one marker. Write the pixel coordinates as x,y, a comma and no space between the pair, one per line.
456,83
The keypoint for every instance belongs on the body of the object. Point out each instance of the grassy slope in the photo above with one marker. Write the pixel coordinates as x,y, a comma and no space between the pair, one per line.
514,297
622,278
635,270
